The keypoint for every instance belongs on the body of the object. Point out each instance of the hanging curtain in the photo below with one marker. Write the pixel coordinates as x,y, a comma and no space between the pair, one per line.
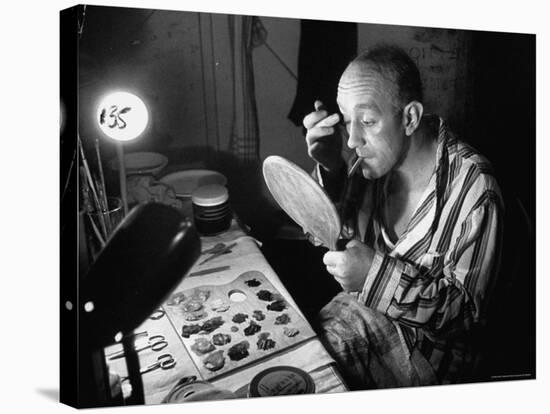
245,33
326,48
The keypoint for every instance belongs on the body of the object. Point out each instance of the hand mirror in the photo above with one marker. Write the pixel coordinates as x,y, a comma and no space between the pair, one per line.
303,199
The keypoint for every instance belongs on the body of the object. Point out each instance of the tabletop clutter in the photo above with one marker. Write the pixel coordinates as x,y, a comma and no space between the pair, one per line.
205,189
223,327
200,194
227,326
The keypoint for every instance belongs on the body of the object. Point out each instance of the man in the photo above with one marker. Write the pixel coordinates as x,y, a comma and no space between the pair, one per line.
425,218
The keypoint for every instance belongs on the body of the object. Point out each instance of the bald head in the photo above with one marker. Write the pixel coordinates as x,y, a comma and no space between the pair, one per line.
388,71
361,78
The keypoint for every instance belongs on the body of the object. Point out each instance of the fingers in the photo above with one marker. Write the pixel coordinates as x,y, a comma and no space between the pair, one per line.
328,121
314,134
337,262
320,127
320,118
333,258
353,243
329,258
320,124
350,267
312,118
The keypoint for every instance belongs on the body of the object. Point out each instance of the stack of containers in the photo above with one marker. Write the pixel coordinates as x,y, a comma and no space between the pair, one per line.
211,210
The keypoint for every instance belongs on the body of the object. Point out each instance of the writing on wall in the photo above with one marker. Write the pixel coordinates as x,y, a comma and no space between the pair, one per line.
441,56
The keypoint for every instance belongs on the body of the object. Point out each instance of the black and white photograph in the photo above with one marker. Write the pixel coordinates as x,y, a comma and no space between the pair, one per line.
257,207
275,206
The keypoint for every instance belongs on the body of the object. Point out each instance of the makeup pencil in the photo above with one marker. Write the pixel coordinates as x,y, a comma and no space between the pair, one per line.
355,165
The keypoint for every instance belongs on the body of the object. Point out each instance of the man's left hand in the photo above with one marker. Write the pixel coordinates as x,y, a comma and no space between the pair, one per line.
350,267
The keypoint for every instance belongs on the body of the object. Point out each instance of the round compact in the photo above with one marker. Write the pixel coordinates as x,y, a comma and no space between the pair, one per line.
282,380
211,210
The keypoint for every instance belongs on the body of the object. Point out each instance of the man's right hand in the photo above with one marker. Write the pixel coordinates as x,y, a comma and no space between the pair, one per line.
324,145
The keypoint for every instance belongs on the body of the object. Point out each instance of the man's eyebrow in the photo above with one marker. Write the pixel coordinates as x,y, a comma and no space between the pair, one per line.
367,105
364,105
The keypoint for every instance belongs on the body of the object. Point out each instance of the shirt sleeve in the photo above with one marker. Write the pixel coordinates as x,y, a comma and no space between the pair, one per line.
449,292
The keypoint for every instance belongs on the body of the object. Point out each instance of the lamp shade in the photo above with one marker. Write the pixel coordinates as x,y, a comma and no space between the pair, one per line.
145,259
122,116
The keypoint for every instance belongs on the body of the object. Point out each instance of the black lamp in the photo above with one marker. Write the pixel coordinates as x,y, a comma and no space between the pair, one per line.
141,264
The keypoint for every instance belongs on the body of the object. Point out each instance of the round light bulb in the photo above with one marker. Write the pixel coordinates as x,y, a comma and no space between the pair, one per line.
122,116
89,306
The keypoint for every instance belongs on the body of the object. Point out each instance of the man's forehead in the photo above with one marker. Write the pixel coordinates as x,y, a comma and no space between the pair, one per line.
363,87
357,104
360,72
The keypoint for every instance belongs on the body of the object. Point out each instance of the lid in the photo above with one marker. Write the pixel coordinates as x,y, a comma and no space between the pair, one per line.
210,195
282,380
185,182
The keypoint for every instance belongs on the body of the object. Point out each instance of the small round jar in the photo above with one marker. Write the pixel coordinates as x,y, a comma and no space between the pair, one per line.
281,380
211,210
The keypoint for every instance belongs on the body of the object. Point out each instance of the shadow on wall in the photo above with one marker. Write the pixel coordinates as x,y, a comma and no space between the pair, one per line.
249,195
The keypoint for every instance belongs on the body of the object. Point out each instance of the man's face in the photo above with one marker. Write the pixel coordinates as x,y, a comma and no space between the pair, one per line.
373,124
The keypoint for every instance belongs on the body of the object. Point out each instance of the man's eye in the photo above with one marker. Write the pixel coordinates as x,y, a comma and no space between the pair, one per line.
368,122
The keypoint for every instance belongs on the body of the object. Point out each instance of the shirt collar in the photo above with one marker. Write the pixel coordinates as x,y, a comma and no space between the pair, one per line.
436,185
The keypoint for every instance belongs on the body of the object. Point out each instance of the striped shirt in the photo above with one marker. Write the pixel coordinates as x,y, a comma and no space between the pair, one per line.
434,281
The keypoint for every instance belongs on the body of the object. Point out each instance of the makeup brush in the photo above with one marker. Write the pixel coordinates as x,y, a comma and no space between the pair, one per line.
355,165
342,241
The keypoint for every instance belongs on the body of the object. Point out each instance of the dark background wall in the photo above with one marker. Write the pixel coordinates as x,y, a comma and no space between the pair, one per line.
502,118
502,125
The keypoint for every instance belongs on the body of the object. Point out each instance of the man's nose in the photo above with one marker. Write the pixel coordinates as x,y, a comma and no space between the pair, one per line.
355,139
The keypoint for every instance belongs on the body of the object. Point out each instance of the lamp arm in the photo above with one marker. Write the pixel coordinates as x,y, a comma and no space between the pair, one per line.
122,177
134,374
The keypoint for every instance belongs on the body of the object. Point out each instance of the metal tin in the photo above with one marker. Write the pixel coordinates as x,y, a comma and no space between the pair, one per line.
281,380
211,209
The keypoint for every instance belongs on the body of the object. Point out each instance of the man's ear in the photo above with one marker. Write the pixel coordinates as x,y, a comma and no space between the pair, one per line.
412,114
